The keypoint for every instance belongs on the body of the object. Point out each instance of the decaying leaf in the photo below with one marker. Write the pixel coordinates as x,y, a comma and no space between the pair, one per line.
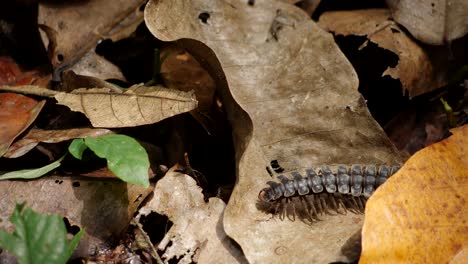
182,72
17,112
138,105
79,26
11,74
291,96
29,89
104,208
94,65
72,81
197,234
35,136
415,70
419,214
435,22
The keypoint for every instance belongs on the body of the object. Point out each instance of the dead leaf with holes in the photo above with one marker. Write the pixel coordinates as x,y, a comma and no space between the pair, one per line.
197,235
417,73
435,22
291,96
17,113
419,214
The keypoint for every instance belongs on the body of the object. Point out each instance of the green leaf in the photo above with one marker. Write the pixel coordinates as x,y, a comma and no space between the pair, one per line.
31,173
77,147
126,158
38,238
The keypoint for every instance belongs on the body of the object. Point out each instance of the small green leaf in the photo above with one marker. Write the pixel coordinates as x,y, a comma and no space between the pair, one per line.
77,147
38,238
126,158
31,173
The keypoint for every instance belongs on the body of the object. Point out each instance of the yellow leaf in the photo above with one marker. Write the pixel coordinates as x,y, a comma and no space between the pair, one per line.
420,214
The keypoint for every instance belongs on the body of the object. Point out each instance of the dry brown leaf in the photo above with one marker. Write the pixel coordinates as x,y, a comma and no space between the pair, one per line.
96,66
420,214
138,105
35,136
78,26
182,72
197,235
104,208
72,81
434,22
29,89
291,96
418,75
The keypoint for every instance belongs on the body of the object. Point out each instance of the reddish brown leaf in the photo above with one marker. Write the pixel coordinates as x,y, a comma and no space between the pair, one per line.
17,112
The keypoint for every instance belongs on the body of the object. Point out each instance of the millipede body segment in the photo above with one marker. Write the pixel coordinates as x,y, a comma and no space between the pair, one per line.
323,190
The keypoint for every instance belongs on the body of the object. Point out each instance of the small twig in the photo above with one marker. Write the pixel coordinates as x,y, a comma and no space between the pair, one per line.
148,240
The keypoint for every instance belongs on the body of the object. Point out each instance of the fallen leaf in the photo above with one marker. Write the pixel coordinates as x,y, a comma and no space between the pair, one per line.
138,105
96,66
182,72
35,136
29,89
72,81
419,214
17,113
430,21
79,27
104,208
291,96
11,74
417,73
197,234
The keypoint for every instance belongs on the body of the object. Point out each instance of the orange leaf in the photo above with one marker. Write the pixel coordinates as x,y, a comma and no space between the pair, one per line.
420,214
17,112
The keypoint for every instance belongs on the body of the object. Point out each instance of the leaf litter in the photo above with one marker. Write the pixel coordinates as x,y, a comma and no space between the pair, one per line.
291,98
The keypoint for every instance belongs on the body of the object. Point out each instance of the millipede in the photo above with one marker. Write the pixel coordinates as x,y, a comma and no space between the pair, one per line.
323,190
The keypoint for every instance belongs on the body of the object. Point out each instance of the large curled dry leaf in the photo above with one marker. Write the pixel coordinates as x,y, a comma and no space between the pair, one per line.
435,22
418,75
138,105
291,96
420,214
84,202
75,28
197,234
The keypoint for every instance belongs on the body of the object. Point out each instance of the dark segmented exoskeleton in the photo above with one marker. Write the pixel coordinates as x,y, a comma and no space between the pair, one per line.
320,190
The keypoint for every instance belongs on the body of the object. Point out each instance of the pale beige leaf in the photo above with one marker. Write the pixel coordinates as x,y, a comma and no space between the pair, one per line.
291,96
197,235
417,73
434,22
139,105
